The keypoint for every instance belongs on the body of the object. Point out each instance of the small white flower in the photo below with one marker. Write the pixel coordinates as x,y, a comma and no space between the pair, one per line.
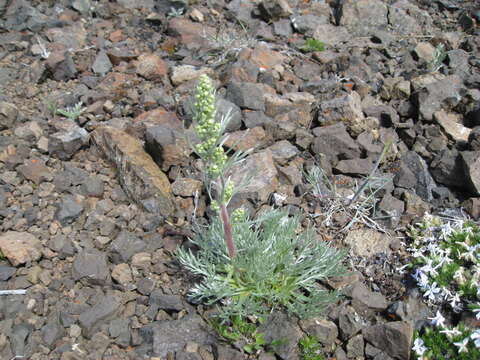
438,320
419,347
476,338
431,291
462,345
451,332
477,311
455,301
429,268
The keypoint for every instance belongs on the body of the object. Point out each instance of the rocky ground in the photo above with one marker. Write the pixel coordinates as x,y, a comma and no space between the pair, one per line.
92,206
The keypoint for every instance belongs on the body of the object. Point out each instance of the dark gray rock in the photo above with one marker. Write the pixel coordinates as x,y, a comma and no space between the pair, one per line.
227,108
18,338
91,264
125,245
187,356
8,115
282,28
363,298
355,346
355,166
364,17
412,309
443,94
307,23
93,186
166,302
106,307
6,272
474,139
52,332
334,141
275,9
225,353
69,209
255,118
171,336
102,64
394,338
413,173
349,323
65,143
279,326
60,64
392,208
283,151
447,167
471,166
324,330
246,95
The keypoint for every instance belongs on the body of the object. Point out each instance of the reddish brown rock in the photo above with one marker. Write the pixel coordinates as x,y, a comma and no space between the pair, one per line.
140,177
152,67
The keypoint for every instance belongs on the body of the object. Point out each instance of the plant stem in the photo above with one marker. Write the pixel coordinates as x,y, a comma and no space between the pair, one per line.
227,230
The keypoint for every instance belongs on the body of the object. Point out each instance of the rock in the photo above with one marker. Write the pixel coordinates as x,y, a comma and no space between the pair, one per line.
193,35
140,177
8,115
20,247
172,336
186,187
246,139
413,173
52,332
363,298
472,206
279,326
151,67
349,323
122,274
6,272
275,9
18,338
69,209
331,35
442,94
355,346
471,166
61,65
126,245
334,142
283,151
324,330
93,186
66,142
223,352
474,139
226,108
446,168
346,109
183,73
391,207
102,64
246,95
35,170
364,17
450,123
367,242
424,51
395,338
355,166
165,302
412,309
307,23
106,308
260,169
91,264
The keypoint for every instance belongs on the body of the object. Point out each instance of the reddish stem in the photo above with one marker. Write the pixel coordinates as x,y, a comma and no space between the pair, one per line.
227,230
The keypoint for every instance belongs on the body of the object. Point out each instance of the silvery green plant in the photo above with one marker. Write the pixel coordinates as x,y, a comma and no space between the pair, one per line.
439,55
251,266
72,112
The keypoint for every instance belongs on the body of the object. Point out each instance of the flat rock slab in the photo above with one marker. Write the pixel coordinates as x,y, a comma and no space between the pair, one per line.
104,309
395,338
20,247
367,242
172,336
139,175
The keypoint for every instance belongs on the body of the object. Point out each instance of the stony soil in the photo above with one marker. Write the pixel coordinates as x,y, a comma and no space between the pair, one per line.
92,208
